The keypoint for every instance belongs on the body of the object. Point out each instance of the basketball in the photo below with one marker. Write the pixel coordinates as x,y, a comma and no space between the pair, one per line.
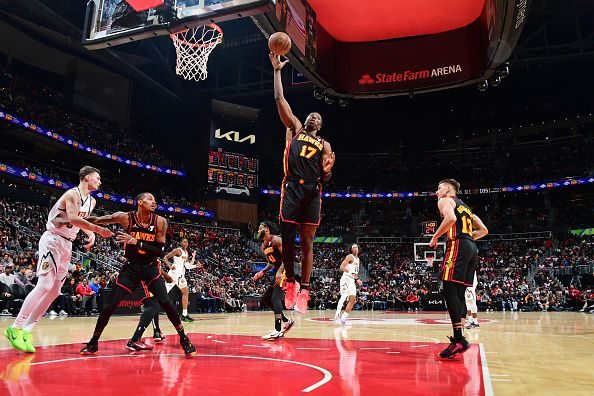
279,43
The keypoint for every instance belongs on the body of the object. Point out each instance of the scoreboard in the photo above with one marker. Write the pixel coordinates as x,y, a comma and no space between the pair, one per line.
428,228
232,168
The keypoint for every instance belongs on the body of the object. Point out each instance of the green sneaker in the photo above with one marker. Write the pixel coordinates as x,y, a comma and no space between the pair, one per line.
28,339
15,337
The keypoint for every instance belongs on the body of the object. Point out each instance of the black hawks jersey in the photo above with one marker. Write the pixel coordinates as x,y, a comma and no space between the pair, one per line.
303,157
140,233
463,226
273,255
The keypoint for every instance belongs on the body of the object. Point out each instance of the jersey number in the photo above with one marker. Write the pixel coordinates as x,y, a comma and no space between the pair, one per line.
467,225
308,152
272,259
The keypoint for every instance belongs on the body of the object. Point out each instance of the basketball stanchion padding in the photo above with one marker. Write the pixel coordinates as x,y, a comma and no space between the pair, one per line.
193,46
143,5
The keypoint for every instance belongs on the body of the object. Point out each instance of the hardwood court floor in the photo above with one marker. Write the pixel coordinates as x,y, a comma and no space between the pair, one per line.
534,353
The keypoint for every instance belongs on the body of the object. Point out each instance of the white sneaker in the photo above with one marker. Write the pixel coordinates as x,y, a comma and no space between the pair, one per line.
273,335
53,313
63,313
5,313
287,326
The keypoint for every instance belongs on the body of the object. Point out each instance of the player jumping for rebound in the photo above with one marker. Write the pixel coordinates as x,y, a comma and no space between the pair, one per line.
272,248
308,160
463,228
348,289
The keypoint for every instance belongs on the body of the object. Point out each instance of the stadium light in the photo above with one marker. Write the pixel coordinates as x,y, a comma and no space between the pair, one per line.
342,102
328,99
483,85
318,93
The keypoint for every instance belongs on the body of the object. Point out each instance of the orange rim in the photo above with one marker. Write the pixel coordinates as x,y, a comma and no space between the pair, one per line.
214,26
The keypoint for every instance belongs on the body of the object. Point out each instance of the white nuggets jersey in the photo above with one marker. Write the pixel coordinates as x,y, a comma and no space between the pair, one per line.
59,211
352,268
179,262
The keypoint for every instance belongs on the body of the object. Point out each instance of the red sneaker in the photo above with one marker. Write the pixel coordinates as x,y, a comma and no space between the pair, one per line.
291,291
302,300
139,346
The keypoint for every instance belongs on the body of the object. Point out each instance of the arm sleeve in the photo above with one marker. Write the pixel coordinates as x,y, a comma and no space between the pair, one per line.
155,249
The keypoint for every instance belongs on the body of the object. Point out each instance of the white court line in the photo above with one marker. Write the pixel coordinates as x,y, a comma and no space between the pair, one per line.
315,349
491,352
392,352
256,346
220,342
323,381
499,375
375,348
486,376
500,380
419,346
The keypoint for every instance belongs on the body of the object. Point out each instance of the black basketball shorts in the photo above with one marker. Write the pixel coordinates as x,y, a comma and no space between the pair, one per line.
460,261
301,203
131,275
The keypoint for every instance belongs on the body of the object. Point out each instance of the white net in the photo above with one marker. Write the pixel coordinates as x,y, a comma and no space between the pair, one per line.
193,46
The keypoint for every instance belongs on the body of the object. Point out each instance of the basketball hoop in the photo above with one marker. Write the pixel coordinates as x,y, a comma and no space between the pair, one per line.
193,46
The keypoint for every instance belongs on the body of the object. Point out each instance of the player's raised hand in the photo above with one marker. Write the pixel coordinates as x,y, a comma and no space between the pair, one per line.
276,62
258,275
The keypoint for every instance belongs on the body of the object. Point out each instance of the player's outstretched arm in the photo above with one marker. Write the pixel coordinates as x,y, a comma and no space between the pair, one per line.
479,229
120,218
70,201
284,110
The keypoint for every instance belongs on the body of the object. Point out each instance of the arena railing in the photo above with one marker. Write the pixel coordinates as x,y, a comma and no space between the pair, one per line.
491,237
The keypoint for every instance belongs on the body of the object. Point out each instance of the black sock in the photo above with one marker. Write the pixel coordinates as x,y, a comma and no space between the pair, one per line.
277,324
181,332
284,318
458,331
138,333
94,340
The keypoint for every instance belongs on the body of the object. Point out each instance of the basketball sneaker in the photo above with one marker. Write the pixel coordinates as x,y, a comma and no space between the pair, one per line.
469,325
90,348
456,347
28,340
287,326
291,290
302,300
158,337
187,346
186,318
15,337
476,324
139,346
273,335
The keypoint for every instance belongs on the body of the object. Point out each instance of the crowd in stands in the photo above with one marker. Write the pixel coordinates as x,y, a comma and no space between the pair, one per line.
512,275
34,100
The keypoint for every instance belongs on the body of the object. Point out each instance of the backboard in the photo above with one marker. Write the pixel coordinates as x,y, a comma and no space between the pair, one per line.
115,22
422,251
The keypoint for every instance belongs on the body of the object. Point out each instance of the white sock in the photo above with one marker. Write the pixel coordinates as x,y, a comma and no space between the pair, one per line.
185,312
344,315
339,305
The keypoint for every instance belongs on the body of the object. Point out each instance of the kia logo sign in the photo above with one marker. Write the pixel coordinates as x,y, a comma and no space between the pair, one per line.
233,136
